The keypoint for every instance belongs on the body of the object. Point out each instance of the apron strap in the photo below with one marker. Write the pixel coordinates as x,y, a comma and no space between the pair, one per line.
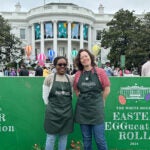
97,77
51,86
54,77
69,84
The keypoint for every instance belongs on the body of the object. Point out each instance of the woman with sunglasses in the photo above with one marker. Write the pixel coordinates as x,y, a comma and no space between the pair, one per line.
57,95
92,86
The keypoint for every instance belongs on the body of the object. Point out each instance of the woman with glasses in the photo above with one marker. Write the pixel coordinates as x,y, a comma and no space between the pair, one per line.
57,95
92,87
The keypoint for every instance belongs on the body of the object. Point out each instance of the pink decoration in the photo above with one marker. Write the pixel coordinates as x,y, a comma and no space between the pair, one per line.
41,59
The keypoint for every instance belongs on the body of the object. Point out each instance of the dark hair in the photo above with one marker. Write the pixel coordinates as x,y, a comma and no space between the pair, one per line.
23,65
77,60
59,57
149,56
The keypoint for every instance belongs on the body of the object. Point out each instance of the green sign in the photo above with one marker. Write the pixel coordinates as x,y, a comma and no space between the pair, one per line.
21,113
128,114
122,60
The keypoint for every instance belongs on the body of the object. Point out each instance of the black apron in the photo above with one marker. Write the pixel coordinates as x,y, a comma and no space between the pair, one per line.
59,112
90,105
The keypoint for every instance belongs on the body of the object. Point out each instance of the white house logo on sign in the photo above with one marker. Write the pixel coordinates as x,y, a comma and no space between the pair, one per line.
135,93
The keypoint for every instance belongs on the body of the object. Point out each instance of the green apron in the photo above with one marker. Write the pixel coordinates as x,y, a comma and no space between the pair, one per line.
90,105
59,112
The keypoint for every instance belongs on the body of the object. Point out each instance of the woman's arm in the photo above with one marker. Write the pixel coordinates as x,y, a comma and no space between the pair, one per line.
75,82
45,94
104,81
106,92
46,88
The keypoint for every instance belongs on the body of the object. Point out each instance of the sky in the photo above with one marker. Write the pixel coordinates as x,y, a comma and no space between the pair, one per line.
110,6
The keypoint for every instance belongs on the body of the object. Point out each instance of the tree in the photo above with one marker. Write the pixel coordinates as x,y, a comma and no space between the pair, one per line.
146,32
124,37
10,46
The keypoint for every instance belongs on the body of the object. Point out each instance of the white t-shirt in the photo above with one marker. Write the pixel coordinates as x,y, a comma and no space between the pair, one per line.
146,69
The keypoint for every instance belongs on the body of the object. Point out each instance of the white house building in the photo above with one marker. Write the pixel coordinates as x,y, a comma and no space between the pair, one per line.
58,26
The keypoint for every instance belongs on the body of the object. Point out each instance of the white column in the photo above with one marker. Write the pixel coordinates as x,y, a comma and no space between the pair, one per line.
29,34
55,37
42,38
89,38
69,44
33,42
81,36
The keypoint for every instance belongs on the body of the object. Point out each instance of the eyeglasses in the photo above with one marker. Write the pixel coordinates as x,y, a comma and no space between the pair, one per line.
61,64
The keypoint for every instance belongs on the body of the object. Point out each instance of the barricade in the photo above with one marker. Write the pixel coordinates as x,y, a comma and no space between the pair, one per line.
127,114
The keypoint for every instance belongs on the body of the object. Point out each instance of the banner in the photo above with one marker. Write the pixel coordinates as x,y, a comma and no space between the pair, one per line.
37,29
127,114
21,113
75,31
62,30
85,31
48,30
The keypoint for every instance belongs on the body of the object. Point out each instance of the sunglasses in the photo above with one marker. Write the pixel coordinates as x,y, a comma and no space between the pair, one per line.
62,64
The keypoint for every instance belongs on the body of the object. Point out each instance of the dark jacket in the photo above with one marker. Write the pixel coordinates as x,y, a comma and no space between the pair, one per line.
38,71
24,72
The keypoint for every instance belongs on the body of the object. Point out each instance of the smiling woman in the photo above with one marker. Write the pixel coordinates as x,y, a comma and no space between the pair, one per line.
61,65
57,95
92,87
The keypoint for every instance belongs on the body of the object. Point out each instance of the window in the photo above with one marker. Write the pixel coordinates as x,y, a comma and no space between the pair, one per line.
22,33
85,31
98,34
75,31
48,30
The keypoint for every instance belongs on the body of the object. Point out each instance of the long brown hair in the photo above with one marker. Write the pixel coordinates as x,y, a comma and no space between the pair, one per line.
78,62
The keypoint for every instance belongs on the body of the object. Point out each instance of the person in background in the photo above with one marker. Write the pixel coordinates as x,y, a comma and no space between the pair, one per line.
53,69
45,72
74,70
68,71
127,71
57,95
146,68
23,71
116,71
6,72
39,71
13,72
108,69
92,86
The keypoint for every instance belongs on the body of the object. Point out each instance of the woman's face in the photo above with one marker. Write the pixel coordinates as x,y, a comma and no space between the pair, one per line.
61,66
85,59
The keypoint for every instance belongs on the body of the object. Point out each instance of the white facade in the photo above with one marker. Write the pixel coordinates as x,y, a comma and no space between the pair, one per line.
23,26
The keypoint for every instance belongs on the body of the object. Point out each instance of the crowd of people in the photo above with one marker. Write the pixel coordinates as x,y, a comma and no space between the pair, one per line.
37,71
45,71
24,71
118,71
